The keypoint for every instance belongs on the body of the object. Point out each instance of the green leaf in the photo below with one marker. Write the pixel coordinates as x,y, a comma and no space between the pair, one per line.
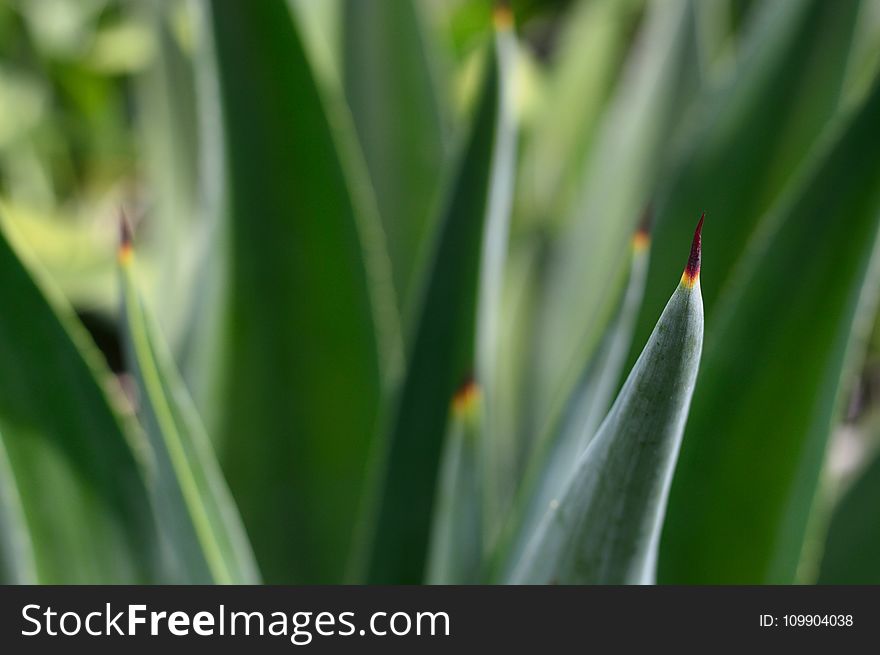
73,469
850,555
556,456
590,52
306,291
618,178
443,347
604,528
749,139
489,368
390,85
170,150
193,503
17,564
775,353
456,548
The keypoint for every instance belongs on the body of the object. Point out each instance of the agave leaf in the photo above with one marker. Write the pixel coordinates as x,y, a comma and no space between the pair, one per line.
84,500
499,445
618,178
169,141
605,526
750,138
321,28
774,358
556,456
193,502
17,564
591,49
443,347
391,88
850,555
456,549
308,288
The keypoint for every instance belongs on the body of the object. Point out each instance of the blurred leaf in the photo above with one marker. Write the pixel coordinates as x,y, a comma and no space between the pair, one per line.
552,465
591,49
17,564
499,446
443,348
389,83
618,178
750,138
170,148
123,47
83,496
768,390
24,100
309,304
864,61
321,31
851,548
193,503
456,549
605,526
74,250
59,28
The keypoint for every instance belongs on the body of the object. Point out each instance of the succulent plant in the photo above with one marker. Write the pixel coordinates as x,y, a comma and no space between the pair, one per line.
402,305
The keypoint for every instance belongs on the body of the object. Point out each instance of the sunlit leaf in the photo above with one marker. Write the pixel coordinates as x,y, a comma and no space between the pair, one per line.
207,540
74,470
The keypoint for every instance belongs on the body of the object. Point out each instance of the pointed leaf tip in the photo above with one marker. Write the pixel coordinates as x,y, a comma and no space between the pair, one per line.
502,15
642,237
466,396
126,238
692,271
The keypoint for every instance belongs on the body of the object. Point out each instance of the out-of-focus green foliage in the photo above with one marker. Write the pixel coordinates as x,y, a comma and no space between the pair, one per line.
76,507
206,539
346,209
805,263
295,426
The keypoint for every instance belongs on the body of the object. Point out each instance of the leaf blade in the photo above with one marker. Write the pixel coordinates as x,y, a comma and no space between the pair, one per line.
810,267
189,487
444,347
301,230
605,527
76,471
390,85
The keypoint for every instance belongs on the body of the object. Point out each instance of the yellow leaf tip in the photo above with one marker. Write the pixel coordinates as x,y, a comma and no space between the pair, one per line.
691,274
466,398
502,15
642,238
126,248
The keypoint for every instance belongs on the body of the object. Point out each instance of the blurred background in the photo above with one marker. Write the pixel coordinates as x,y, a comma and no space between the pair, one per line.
621,108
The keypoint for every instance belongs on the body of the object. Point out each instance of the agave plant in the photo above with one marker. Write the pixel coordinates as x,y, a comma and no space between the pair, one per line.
406,302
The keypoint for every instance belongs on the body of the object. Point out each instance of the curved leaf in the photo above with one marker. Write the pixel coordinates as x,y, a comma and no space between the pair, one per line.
750,138
17,564
308,288
83,495
443,348
456,549
390,87
854,532
605,526
207,539
774,358
556,457
618,178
